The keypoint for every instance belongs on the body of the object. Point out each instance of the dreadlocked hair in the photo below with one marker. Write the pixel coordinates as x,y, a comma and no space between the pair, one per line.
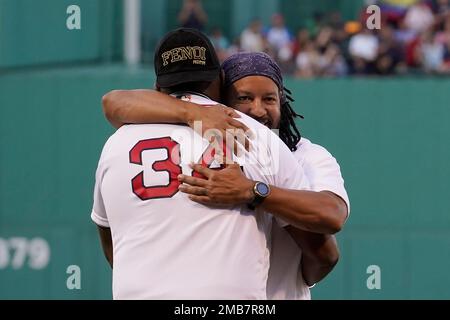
289,132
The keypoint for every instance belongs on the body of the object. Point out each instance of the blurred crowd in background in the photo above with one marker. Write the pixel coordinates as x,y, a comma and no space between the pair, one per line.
414,38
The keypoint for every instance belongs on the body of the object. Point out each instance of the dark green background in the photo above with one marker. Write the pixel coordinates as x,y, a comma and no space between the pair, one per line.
390,137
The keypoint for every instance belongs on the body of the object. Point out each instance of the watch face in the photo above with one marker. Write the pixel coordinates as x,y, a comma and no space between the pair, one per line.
262,189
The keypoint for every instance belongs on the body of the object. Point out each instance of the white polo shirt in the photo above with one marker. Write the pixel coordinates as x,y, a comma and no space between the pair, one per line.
324,174
168,247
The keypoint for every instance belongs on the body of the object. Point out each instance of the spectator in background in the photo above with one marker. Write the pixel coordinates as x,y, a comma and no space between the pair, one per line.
252,39
220,43
389,52
307,61
332,63
280,44
330,46
192,15
412,53
431,53
311,62
404,35
443,36
446,65
285,59
339,35
324,38
419,17
300,41
442,9
363,49
278,35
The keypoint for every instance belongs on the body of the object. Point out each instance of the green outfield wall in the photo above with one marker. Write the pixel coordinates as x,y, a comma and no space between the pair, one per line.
34,33
390,137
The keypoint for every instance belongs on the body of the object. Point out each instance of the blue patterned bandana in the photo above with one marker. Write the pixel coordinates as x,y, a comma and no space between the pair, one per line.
244,64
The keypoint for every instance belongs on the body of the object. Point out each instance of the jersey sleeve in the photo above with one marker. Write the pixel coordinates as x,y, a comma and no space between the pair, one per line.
289,174
323,171
98,214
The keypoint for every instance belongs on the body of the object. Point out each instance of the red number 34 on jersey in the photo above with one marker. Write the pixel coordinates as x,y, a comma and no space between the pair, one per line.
171,165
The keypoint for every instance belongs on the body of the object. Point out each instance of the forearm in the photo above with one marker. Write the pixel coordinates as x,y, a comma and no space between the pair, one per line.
320,253
143,106
313,268
320,212
106,242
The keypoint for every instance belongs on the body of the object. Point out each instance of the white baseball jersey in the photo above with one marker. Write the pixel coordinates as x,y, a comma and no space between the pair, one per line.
168,247
285,276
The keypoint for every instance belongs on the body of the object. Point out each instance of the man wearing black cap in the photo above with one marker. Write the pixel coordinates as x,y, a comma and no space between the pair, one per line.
185,56
160,244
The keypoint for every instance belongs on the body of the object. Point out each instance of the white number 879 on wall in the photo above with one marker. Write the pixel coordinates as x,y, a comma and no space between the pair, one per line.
15,251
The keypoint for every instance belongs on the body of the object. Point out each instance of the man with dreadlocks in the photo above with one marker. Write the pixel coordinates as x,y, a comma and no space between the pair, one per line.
305,250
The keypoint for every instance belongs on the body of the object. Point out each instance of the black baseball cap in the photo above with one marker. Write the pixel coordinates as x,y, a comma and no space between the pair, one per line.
185,55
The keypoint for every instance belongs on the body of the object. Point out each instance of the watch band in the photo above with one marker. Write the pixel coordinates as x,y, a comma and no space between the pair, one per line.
260,191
